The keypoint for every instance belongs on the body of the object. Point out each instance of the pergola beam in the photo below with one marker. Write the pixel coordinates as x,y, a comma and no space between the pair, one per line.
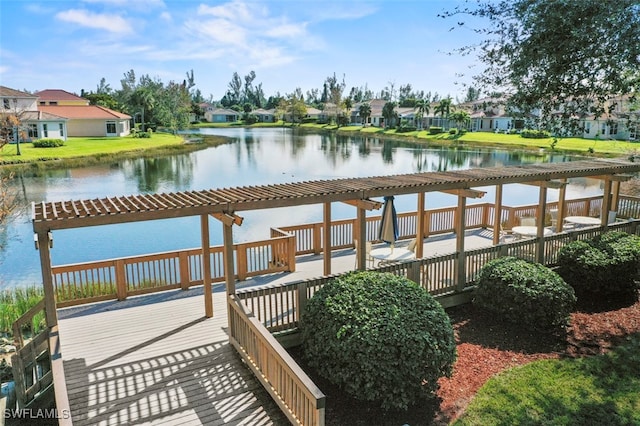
469,193
228,219
553,184
365,204
614,178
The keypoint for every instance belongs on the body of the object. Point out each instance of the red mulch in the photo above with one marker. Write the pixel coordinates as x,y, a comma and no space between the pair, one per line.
487,346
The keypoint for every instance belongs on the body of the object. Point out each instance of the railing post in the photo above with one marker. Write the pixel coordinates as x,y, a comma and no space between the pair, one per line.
301,293
292,244
241,258
427,224
413,271
121,280
317,238
183,264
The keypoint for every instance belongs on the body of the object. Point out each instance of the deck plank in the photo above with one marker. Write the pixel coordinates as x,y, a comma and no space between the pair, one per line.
157,360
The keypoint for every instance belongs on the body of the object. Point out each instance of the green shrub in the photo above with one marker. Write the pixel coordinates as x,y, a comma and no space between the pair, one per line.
380,337
405,126
47,143
524,293
139,134
607,264
433,130
535,134
453,131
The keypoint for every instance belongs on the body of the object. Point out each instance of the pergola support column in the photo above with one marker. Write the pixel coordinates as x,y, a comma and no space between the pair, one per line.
562,206
542,210
44,241
361,236
460,227
206,265
606,203
326,239
497,216
420,226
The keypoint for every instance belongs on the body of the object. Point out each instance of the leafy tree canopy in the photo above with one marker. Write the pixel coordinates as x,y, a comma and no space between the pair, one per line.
564,57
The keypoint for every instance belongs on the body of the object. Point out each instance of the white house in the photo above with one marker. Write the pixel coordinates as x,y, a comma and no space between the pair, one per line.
34,124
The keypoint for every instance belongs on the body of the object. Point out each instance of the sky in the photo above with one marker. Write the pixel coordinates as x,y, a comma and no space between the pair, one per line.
72,45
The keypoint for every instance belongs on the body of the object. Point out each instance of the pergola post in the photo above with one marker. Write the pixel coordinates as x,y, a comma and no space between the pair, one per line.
562,206
44,241
361,230
326,238
206,265
460,227
497,215
420,226
542,210
606,203
615,201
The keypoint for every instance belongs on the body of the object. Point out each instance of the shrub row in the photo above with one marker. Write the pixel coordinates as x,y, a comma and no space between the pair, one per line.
606,264
47,143
535,134
433,130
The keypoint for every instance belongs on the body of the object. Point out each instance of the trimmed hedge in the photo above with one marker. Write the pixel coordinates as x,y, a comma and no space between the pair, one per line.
607,264
535,134
434,130
47,143
379,337
528,294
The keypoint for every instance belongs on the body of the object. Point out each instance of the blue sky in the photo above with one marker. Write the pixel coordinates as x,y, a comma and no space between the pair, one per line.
71,45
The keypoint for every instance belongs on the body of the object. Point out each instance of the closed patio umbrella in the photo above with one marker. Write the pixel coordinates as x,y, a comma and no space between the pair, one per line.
388,230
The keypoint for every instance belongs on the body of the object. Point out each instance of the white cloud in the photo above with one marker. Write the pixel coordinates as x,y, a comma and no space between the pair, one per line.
112,23
137,3
166,16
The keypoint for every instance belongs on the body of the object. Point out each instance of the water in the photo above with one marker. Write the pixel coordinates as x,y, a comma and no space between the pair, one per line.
255,156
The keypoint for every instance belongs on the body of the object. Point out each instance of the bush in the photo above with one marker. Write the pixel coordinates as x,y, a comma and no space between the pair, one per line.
607,264
433,130
535,134
250,118
139,134
405,126
47,143
524,293
453,131
379,337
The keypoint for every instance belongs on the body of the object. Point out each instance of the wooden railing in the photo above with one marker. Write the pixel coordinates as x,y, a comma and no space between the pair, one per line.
278,307
31,364
296,394
120,278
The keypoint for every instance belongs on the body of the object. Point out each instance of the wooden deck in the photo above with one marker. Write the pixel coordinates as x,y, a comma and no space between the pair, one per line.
156,359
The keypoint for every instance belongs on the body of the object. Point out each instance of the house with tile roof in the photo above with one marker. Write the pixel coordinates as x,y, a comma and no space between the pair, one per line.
54,113
34,124
59,97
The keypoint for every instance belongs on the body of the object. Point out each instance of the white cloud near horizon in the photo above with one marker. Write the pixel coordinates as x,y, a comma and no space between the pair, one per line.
102,21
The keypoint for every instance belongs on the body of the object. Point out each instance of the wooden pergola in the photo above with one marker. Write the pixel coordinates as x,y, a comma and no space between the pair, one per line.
225,204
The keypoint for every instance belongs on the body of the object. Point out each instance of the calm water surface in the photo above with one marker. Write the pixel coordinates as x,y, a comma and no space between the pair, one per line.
254,156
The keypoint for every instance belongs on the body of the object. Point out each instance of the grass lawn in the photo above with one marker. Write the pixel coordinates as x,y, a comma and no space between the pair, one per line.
599,390
86,147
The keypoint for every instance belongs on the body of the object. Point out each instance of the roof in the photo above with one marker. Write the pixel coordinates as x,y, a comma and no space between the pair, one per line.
40,116
223,111
83,112
7,92
103,211
58,95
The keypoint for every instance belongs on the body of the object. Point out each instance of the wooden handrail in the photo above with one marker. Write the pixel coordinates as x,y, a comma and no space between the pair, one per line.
26,318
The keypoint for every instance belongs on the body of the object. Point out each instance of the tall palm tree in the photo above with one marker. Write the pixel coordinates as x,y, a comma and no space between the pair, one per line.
444,108
389,113
422,108
365,112
461,118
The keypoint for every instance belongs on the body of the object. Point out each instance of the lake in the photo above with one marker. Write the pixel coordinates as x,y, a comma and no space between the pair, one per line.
253,157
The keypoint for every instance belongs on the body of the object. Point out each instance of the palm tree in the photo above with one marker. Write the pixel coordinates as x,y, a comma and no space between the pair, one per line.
443,108
389,113
461,118
365,112
422,108
348,104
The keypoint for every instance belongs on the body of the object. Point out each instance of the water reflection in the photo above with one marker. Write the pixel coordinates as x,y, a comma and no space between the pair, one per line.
255,157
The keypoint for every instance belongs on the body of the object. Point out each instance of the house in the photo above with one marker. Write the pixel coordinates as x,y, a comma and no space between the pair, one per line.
59,97
91,120
221,115
34,124
490,115
620,122
265,115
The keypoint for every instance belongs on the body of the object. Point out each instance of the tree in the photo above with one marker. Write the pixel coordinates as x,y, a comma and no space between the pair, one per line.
335,89
365,112
348,105
473,94
443,108
422,108
561,59
389,113
461,118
